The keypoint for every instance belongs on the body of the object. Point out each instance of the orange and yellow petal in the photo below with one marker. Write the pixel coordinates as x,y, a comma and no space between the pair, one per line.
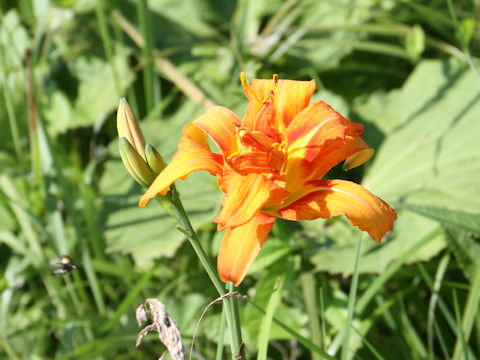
328,198
240,246
357,159
220,124
290,96
303,169
196,134
319,138
244,196
321,119
189,157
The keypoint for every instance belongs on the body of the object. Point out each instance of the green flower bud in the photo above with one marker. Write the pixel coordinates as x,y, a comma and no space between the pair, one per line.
136,166
129,128
154,159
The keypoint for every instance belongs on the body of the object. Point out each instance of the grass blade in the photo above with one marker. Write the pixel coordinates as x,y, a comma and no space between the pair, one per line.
351,302
368,295
273,302
304,341
442,267
471,309
308,284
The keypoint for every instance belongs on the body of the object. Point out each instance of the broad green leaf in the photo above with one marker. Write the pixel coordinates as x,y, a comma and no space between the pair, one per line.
461,219
431,153
14,39
96,88
428,154
150,233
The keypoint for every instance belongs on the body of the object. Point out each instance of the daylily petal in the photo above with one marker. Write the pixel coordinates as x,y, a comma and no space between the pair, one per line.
301,170
320,138
220,124
258,162
240,247
291,96
196,134
244,197
320,118
327,198
357,159
189,157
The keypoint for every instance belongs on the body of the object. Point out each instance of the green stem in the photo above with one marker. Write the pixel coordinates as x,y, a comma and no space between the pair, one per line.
230,304
221,335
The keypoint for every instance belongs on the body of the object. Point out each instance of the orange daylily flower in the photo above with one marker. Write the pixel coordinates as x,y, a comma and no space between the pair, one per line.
271,165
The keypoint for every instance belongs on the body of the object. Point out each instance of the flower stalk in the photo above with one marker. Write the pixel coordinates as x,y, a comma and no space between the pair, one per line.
144,162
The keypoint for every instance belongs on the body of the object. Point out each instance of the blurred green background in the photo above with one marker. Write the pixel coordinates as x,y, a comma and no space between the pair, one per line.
405,69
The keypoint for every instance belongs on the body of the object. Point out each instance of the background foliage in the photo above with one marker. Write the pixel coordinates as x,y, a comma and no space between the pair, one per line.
406,69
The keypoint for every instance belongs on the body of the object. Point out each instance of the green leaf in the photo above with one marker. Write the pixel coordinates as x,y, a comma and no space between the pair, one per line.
93,98
456,218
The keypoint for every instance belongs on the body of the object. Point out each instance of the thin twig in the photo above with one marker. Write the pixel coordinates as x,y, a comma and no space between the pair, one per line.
233,294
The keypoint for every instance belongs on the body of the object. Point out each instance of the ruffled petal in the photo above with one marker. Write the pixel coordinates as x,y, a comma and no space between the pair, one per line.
291,96
189,157
220,124
328,198
258,162
319,138
244,197
317,119
240,247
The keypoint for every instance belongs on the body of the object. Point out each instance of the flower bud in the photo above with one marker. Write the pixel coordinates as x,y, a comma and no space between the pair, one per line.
129,128
154,159
136,166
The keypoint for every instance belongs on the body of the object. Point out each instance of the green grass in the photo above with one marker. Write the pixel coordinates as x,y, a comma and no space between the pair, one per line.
405,69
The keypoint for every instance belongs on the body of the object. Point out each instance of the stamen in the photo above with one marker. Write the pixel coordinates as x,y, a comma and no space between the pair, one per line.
275,80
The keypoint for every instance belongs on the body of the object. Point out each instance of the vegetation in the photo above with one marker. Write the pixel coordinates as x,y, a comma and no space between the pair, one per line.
405,69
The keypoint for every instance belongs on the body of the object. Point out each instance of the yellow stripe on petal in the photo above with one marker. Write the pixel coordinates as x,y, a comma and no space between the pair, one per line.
189,157
328,198
240,247
220,124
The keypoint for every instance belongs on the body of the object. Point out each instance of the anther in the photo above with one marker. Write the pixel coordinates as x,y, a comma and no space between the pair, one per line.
242,79
275,79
